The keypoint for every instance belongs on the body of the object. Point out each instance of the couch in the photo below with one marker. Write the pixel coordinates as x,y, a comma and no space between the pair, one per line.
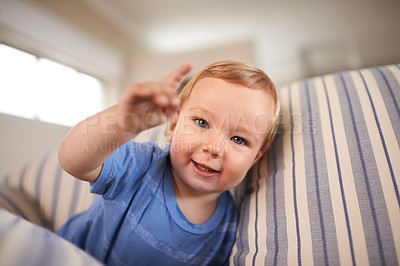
326,193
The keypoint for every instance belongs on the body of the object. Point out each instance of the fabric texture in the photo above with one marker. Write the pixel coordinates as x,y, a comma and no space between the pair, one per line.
137,220
327,191
19,204
58,194
24,243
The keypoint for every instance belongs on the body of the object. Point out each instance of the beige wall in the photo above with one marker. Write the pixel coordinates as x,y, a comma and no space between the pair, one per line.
24,139
145,66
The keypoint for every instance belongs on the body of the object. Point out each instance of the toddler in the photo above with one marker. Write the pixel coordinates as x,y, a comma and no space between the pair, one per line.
170,206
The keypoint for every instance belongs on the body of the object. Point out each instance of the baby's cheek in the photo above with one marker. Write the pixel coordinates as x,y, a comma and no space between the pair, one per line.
238,170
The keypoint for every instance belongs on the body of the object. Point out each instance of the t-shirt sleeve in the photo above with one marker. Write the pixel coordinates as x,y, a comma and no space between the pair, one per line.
125,167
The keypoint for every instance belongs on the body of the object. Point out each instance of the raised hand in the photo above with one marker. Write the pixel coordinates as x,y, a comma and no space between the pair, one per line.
149,104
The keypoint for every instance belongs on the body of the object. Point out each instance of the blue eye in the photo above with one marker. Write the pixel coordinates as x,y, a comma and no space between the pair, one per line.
238,140
201,123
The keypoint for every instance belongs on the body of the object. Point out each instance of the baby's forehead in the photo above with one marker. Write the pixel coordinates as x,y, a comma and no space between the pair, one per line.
220,88
215,89
216,83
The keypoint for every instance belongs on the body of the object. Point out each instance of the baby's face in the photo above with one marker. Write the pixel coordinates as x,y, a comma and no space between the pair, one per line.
219,133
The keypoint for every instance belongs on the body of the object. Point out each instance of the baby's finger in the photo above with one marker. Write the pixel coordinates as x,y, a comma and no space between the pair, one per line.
165,97
159,94
177,76
138,93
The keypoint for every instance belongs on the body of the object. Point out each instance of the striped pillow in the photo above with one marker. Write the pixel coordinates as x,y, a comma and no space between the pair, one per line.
327,191
16,202
58,194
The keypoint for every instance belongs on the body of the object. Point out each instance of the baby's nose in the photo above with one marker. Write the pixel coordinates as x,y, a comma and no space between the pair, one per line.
214,146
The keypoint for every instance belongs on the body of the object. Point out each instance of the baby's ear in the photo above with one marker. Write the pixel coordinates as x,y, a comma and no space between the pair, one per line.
172,125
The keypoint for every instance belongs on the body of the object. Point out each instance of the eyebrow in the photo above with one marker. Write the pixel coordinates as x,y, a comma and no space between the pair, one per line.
240,128
203,110
248,134
199,108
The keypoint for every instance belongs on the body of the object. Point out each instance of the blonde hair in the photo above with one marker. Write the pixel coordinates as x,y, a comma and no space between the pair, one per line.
239,73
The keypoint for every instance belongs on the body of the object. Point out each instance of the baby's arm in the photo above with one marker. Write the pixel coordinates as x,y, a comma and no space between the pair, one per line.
144,105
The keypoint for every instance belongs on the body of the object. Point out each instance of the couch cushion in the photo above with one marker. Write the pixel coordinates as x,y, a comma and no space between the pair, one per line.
58,194
23,243
17,202
327,191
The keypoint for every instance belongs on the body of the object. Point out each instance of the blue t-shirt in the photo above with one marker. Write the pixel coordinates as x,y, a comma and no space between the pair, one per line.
137,220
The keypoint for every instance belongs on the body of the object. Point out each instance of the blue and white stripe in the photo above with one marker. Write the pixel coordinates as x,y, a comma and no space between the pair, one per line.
327,192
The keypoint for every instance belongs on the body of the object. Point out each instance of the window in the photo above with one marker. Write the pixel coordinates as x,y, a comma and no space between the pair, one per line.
39,88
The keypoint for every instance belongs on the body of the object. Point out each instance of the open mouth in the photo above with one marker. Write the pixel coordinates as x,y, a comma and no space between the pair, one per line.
203,169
